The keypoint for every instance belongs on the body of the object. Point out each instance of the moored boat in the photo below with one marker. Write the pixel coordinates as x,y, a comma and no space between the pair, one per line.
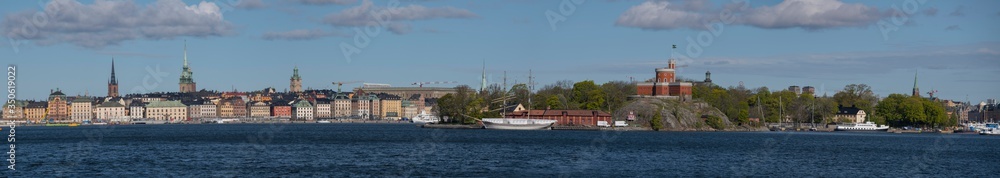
517,123
867,126
424,118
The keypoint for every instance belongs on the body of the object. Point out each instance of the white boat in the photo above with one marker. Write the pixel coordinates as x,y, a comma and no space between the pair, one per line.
867,126
147,121
323,122
990,129
424,118
517,123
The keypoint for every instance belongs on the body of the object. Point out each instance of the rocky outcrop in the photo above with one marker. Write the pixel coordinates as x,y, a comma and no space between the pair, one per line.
681,115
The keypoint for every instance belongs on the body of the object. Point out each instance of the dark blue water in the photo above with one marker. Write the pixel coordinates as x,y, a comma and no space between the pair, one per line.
386,150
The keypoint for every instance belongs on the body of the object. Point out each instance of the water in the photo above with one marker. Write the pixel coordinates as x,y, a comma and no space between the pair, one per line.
398,150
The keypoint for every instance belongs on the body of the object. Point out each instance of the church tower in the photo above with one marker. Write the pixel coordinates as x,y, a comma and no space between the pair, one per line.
916,91
113,82
296,81
187,84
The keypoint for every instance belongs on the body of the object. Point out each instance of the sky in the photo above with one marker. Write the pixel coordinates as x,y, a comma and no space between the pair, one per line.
953,46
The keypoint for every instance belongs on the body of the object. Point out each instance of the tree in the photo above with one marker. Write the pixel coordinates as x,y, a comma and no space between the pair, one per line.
588,95
616,94
857,95
521,93
656,122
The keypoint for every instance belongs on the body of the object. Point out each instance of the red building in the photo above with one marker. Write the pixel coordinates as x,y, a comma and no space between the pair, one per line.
665,84
281,110
566,117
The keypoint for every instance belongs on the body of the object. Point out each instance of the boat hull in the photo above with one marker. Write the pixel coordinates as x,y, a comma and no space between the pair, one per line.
518,124
862,129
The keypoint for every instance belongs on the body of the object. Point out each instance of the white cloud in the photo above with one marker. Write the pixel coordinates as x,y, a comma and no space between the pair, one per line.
362,15
663,15
805,14
325,2
813,14
108,22
301,34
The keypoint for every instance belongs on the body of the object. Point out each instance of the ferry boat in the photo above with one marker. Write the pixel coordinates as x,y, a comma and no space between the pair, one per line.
867,126
990,129
517,123
424,118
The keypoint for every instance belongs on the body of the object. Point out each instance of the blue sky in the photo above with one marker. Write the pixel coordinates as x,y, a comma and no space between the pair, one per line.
252,44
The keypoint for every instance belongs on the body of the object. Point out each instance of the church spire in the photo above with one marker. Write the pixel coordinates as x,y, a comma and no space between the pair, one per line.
113,79
916,90
185,53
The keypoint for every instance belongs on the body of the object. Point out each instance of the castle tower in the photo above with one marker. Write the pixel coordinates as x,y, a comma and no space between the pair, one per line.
113,82
187,84
296,81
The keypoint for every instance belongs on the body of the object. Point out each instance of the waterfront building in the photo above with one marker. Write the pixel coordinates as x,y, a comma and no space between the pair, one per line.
137,109
323,108
58,107
281,109
365,106
225,108
390,106
566,117
409,108
239,107
170,110
341,106
187,84
429,92
14,111
302,110
35,111
260,109
664,84
82,109
111,111
296,81
850,114
113,82
207,109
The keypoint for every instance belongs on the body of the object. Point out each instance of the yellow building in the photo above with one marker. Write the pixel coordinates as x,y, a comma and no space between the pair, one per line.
391,107
35,111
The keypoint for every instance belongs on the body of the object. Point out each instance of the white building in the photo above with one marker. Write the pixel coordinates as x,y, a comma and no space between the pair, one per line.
137,109
171,111
302,110
323,109
111,111
260,109
82,109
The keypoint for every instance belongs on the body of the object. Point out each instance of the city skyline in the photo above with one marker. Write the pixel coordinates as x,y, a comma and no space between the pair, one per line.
953,54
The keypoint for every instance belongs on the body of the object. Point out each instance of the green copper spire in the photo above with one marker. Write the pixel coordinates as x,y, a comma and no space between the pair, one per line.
295,74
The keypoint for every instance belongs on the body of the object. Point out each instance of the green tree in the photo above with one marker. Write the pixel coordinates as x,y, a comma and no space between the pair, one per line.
616,94
588,95
657,121
857,95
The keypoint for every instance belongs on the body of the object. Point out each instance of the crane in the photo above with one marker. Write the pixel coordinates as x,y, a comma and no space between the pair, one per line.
342,84
421,84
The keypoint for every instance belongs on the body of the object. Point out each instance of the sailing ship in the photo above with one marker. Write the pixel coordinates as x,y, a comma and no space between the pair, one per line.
526,123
